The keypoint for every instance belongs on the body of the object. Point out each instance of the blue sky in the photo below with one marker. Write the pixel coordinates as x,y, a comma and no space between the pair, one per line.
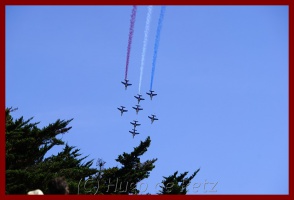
221,77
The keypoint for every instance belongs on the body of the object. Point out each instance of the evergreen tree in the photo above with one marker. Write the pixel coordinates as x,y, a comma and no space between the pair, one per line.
27,169
174,184
26,146
124,179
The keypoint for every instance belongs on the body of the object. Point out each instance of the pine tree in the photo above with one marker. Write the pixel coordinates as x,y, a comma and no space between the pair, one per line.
174,184
26,146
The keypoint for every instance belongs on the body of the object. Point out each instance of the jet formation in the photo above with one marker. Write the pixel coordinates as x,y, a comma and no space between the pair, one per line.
137,107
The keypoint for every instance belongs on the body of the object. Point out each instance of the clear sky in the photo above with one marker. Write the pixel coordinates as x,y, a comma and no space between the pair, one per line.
221,77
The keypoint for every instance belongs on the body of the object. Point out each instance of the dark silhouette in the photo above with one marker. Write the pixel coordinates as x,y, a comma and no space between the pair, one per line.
58,186
26,147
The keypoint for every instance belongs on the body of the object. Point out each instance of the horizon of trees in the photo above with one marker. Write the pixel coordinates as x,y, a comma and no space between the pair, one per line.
28,169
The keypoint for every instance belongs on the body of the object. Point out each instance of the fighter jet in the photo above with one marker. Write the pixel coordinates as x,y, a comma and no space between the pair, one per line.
151,94
134,132
137,108
139,97
152,117
122,110
126,83
135,123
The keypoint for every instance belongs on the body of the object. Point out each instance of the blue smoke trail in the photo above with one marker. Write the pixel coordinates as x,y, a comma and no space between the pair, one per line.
159,26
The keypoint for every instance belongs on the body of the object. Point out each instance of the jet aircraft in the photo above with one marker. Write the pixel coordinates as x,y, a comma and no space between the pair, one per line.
137,108
152,117
151,94
139,97
135,123
126,83
133,132
122,110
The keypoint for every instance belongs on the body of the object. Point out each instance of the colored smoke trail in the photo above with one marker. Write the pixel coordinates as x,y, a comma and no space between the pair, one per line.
131,32
146,33
159,26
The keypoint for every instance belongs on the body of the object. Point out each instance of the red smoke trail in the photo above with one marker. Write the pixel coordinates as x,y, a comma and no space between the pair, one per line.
133,19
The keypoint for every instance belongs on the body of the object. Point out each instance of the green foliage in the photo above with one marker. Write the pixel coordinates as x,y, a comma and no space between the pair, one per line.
26,146
174,184
27,169
124,179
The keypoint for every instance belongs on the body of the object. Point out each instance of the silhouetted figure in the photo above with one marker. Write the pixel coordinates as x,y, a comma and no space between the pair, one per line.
58,186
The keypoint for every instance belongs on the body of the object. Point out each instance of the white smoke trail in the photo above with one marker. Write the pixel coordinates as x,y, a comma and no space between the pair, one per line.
146,32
